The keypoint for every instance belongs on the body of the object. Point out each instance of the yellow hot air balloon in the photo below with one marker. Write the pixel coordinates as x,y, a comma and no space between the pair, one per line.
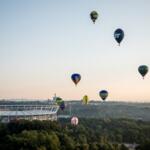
85,99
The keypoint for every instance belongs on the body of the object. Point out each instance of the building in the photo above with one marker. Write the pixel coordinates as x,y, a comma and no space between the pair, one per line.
29,110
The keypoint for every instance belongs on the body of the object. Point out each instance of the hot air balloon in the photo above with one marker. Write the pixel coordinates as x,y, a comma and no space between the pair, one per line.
58,100
76,78
103,94
62,105
119,35
85,99
143,70
94,16
74,121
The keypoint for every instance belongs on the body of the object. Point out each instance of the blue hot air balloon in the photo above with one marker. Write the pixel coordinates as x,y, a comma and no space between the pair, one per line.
103,94
119,35
76,78
62,105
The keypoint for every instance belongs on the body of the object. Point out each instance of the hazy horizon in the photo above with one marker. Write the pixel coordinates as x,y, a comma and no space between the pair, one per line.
43,42
77,100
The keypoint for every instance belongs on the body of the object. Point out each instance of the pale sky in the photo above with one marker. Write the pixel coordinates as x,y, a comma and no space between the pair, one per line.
42,42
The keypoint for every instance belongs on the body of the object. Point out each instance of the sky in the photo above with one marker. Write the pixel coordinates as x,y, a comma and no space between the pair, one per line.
42,42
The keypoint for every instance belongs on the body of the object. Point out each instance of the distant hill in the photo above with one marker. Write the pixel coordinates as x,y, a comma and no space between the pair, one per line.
137,111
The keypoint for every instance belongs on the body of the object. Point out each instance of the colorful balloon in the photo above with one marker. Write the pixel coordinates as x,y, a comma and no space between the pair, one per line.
76,78
85,99
103,94
94,16
58,100
119,35
74,121
62,105
143,70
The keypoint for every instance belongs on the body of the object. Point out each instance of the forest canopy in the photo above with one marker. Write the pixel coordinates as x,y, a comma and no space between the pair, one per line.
89,134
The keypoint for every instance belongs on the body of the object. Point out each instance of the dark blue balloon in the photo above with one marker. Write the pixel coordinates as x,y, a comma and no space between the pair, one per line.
103,94
119,35
62,105
76,78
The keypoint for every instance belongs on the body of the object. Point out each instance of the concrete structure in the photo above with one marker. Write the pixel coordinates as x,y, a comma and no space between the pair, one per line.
13,110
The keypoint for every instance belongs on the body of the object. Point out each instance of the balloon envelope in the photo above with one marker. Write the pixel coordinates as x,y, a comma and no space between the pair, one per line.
103,94
76,78
94,16
85,99
58,100
143,70
74,121
62,105
119,35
